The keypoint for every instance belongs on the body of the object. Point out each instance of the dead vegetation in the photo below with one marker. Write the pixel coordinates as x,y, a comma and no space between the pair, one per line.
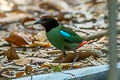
24,48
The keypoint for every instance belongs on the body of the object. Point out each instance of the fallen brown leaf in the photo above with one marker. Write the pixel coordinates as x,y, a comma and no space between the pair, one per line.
64,65
28,69
60,5
22,61
46,64
0,66
2,15
61,17
13,17
6,5
43,44
11,54
22,2
102,40
40,37
19,39
27,19
3,53
19,74
28,60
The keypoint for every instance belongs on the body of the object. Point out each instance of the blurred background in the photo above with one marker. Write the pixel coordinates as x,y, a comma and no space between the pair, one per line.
24,48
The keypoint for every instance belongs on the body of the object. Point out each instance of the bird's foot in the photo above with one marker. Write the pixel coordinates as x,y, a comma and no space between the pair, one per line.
76,57
70,67
61,60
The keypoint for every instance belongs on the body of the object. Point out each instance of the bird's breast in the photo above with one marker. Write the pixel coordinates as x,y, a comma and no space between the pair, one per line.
56,39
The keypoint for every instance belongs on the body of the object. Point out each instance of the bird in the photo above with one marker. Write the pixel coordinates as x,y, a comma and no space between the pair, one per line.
61,37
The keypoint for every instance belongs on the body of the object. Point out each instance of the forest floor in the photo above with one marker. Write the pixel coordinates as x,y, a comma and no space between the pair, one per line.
24,48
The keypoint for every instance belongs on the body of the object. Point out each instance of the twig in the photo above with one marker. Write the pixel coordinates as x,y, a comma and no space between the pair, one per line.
97,35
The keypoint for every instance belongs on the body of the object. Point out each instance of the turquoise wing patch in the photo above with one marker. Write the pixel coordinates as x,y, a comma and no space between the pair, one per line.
65,34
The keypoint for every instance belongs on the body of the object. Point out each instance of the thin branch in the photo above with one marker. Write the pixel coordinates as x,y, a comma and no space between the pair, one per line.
98,35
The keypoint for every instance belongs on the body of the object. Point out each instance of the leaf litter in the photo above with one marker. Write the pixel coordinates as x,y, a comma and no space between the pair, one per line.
25,50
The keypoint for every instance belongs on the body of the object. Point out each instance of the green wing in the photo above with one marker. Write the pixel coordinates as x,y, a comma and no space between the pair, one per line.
74,38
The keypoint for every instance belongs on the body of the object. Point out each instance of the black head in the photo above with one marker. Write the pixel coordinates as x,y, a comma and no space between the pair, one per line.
47,23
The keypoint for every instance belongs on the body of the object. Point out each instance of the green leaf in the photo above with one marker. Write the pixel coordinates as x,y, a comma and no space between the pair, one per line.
57,68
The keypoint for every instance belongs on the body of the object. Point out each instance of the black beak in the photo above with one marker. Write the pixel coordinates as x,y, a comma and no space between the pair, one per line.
39,22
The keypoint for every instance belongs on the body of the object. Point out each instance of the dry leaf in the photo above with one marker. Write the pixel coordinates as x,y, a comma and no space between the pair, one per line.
11,54
3,53
6,6
19,74
27,19
64,65
19,39
22,2
13,17
74,2
67,65
102,40
46,64
28,69
15,12
64,17
28,60
0,66
43,44
60,5
22,61
40,37
81,55
39,60
2,15
60,17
